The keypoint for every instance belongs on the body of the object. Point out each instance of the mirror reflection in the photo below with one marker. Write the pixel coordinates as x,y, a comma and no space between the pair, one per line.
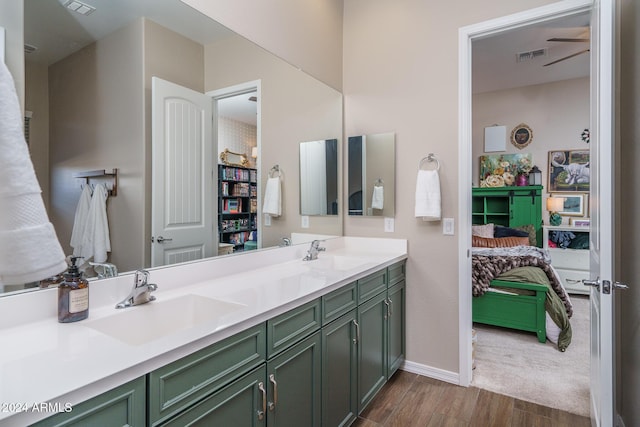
319,177
91,109
371,175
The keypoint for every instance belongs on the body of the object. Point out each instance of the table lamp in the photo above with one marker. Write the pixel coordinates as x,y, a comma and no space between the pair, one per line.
555,204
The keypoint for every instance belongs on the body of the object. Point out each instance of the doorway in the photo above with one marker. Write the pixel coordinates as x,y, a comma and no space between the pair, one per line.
540,16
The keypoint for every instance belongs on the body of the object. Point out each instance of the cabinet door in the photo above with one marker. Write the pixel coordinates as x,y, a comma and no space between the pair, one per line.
396,336
372,349
295,385
526,209
240,404
124,405
340,371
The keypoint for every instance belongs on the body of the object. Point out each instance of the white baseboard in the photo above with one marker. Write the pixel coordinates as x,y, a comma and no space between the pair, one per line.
431,372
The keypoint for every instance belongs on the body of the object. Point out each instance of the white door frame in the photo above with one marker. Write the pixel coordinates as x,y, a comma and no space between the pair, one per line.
226,92
465,37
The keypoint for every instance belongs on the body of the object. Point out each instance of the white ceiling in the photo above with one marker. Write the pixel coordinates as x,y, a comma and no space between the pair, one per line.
494,58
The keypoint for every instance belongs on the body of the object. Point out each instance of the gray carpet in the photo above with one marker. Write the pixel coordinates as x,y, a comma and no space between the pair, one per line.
516,364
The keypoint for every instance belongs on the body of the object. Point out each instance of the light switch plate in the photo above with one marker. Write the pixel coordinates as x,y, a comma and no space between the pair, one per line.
448,226
267,220
389,225
304,221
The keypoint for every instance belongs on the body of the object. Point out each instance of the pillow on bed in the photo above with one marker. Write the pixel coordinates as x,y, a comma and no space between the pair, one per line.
523,231
498,242
485,230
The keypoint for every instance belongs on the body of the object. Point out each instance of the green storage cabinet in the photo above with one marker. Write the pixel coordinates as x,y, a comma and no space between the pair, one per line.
397,327
123,406
372,285
339,302
294,385
340,371
372,348
509,206
292,326
178,385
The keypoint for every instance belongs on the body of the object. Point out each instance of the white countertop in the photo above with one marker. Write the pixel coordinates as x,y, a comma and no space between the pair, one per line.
44,361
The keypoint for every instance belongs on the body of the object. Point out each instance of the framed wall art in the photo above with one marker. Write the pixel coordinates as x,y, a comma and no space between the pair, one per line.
573,204
569,171
521,136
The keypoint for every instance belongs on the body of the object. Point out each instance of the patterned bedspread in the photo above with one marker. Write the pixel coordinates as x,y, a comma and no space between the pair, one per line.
487,264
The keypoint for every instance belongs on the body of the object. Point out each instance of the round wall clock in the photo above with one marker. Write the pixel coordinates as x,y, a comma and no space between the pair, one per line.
521,136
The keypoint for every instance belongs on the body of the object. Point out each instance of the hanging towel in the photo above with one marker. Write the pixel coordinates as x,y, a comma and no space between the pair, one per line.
95,242
272,198
29,248
377,198
80,220
428,195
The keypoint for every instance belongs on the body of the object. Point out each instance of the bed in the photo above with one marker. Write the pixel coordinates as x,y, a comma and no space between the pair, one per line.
515,286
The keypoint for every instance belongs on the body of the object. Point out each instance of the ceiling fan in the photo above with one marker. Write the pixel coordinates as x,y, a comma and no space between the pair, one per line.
569,40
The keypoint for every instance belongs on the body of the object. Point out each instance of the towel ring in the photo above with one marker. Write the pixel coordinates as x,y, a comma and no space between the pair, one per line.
430,158
275,171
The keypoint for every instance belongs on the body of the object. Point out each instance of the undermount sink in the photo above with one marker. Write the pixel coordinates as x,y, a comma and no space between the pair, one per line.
338,262
147,322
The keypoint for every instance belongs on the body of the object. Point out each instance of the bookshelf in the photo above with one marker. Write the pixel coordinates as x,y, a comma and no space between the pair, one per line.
237,205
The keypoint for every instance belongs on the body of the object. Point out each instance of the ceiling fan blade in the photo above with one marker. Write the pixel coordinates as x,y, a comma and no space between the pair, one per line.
563,39
567,57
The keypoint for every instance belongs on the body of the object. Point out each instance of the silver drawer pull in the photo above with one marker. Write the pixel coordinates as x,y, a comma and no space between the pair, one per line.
356,340
264,400
272,405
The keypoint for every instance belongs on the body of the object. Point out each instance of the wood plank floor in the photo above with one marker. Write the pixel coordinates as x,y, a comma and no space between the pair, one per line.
413,400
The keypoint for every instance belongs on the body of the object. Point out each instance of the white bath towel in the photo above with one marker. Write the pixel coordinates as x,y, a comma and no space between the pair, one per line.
428,195
272,198
29,247
96,242
80,220
377,198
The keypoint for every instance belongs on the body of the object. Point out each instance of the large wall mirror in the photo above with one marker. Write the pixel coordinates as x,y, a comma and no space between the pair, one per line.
371,175
90,100
319,177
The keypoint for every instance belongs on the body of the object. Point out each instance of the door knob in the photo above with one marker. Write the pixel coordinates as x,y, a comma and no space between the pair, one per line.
594,283
161,239
620,285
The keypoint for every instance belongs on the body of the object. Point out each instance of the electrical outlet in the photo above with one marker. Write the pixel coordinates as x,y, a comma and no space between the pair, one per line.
448,226
305,221
389,224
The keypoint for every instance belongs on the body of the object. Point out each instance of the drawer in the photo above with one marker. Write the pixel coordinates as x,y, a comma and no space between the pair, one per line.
372,285
574,259
572,280
339,302
396,272
178,385
292,326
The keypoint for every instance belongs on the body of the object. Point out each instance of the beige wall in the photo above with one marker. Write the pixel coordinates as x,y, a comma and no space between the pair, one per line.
294,108
627,267
92,128
556,112
305,33
405,79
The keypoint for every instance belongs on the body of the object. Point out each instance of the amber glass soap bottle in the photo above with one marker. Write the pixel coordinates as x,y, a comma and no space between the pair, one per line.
73,295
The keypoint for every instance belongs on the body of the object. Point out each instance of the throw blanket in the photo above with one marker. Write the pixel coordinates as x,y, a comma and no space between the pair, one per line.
485,268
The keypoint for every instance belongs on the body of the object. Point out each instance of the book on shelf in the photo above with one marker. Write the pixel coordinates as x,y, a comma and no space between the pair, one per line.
232,206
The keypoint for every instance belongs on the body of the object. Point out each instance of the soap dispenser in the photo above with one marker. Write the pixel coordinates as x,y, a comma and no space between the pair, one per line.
73,295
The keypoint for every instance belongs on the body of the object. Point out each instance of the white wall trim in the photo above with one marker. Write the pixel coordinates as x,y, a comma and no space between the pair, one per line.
431,372
465,37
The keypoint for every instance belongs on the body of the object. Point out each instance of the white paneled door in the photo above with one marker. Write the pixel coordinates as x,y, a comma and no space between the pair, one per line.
182,214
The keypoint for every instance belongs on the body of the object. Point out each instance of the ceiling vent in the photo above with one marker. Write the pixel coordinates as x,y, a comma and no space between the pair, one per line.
29,48
532,54
79,7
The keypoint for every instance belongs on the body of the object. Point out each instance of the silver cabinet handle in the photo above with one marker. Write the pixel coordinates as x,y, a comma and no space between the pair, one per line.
356,340
272,405
390,307
386,302
264,400
572,281
161,239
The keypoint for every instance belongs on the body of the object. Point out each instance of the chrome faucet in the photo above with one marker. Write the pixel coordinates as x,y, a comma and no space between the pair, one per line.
285,241
312,253
141,292
104,269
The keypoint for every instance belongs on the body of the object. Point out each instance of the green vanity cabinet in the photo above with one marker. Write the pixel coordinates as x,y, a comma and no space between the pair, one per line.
508,206
123,406
397,327
340,371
